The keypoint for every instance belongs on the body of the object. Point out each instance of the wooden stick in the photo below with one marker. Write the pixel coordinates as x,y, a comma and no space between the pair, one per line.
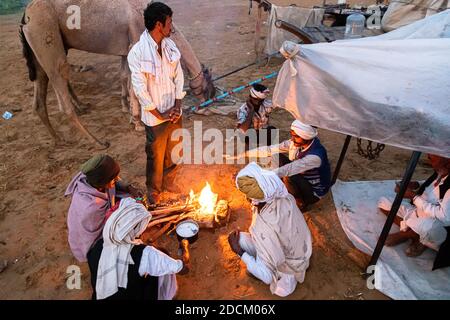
170,218
170,210
166,227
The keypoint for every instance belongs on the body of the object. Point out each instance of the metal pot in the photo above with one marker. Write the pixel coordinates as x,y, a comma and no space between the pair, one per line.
187,230
187,233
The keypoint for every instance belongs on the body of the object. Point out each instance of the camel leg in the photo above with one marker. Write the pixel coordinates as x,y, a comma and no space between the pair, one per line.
40,100
135,30
124,75
46,42
80,107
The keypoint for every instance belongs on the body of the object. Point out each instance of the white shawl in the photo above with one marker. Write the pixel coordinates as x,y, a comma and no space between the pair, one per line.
119,233
151,62
281,235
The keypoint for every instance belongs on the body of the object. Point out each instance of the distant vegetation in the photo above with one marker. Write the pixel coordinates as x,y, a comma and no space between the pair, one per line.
11,6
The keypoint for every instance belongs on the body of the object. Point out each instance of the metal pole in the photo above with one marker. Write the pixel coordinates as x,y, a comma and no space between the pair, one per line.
341,159
233,91
395,206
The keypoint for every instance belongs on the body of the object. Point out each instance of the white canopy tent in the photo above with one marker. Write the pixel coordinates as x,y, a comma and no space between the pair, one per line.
392,89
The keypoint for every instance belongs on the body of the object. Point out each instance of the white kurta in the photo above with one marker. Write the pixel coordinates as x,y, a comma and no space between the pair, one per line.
157,80
428,217
158,264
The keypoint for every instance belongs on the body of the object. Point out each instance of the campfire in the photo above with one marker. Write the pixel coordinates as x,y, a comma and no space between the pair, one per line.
205,208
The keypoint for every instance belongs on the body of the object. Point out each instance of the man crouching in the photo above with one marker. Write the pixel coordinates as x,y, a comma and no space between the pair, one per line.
277,248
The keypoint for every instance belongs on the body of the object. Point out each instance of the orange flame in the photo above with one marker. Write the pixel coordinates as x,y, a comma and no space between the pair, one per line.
207,200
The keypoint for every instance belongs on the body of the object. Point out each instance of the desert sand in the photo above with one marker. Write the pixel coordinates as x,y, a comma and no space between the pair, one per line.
34,173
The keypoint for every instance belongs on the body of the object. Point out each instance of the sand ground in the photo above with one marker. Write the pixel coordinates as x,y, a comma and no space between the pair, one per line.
34,173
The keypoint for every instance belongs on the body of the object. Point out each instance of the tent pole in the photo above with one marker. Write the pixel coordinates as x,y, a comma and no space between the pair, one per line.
341,159
394,209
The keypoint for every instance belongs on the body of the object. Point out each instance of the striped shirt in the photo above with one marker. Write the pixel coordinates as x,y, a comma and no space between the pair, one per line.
157,81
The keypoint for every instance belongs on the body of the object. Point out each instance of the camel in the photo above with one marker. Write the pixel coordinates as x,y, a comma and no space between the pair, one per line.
106,27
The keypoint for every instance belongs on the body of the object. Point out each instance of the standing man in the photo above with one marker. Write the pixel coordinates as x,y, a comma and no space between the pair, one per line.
157,80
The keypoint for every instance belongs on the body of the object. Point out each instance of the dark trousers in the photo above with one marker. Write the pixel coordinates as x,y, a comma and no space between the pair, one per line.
298,186
158,147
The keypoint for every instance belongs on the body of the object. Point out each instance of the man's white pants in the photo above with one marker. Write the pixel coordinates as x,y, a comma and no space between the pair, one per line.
431,231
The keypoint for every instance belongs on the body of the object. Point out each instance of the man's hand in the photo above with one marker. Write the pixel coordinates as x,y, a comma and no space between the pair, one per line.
175,114
412,185
135,192
236,157
175,111
233,240
410,192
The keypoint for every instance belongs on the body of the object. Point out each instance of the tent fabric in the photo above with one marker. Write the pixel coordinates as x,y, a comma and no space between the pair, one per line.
404,12
392,91
300,17
396,275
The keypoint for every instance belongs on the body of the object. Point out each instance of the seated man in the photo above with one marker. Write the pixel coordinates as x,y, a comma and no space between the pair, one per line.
93,192
423,221
277,248
123,268
254,113
306,170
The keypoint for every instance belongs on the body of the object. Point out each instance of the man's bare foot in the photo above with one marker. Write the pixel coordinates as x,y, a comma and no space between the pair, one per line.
397,238
415,249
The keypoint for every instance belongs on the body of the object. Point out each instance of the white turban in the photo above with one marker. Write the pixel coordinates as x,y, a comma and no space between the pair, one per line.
305,131
268,181
258,94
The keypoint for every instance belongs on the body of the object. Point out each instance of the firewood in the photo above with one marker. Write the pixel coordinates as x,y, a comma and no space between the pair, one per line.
170,210
222,213
166,227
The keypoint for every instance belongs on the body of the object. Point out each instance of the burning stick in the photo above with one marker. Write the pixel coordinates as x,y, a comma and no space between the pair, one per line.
171,210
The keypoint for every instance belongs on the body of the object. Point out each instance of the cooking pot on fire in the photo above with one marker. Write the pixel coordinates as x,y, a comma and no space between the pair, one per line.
187,233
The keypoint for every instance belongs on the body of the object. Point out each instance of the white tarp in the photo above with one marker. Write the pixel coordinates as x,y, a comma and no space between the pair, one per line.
396,275
299,17
395,91
403,12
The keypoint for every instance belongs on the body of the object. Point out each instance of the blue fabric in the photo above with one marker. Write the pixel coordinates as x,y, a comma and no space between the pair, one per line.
319,178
